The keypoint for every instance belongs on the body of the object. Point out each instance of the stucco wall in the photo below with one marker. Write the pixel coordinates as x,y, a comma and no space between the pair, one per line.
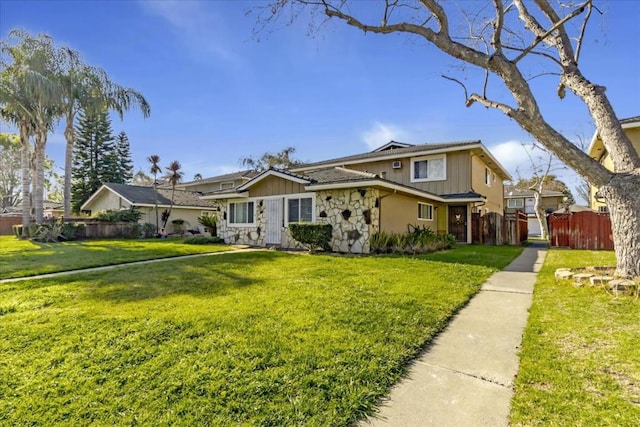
397,212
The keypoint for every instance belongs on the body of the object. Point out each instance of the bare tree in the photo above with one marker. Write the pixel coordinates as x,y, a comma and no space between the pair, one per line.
498,39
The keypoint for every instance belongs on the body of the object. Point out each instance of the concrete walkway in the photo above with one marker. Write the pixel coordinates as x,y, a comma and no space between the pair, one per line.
465,378
128,264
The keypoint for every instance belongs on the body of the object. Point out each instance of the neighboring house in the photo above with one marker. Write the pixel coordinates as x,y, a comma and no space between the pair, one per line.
597,151
221,182
434,185
523,200
187,206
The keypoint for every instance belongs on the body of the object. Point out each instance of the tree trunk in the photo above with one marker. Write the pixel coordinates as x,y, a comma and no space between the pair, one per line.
540,215
622,195
26,182
38,181
70,136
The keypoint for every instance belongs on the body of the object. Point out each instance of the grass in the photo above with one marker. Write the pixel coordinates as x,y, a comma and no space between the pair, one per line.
258,338
21,258
580,361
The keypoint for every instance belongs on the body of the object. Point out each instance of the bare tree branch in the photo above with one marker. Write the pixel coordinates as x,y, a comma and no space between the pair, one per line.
466,97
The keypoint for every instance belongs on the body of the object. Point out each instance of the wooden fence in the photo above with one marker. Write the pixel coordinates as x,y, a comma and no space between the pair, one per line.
495,229
581,230
7,222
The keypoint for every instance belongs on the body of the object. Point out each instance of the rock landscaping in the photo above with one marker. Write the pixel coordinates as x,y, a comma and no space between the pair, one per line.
600,276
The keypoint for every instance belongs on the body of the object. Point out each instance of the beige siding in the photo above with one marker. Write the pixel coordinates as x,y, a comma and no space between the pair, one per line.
212,186
275,186
105,201
458,173
494,192
397,212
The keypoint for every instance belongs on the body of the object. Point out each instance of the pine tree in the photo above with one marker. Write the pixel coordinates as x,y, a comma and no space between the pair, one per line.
125,164
95,157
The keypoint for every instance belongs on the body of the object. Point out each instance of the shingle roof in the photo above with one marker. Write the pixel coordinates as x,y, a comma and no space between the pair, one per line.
226,177
399,151
147,196
335,175
630,120
510,192
467,195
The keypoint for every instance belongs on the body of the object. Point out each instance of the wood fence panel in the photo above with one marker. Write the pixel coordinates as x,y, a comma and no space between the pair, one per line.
581,230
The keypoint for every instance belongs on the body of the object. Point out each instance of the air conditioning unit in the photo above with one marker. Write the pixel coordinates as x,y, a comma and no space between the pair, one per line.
397,164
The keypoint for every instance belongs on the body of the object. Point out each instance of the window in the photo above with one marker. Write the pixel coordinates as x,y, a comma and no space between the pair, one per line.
226,185
487,176
425,211
603,209
300,209
432,168
241,213
515,203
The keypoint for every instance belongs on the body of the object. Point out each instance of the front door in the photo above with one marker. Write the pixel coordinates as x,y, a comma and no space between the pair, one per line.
458,222
273,227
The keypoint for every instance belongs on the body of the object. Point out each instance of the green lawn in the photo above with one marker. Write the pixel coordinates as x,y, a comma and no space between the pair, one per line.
20,258
257,338
580,361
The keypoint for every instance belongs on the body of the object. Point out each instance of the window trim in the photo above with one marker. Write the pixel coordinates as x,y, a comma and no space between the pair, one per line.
487,176
430,210
414,160
515,200
239,224
227,185
299,196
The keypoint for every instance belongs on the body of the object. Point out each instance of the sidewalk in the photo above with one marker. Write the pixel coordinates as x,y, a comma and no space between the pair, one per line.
465,378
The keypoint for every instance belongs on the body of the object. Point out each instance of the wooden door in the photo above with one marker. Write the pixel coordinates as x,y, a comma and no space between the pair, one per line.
458,222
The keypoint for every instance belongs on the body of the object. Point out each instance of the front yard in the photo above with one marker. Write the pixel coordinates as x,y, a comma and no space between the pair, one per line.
21,258
260,338
580,361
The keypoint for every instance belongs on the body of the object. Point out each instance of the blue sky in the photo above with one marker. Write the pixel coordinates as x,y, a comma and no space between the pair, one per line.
217,93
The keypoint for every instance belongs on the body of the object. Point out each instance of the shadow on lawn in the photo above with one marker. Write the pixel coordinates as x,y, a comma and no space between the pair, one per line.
207,276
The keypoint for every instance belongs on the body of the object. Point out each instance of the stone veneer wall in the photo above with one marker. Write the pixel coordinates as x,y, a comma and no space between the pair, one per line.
353,213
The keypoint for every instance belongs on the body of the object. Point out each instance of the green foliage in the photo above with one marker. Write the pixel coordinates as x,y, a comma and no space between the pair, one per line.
148,230
48,233
124,162
10,170
21,257
128,215
178,221
417,240
580,364
210,222
313,236
202,240
73,230
260,338
281,160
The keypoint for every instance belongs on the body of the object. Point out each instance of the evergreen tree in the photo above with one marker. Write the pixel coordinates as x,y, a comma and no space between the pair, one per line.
95,157
125,164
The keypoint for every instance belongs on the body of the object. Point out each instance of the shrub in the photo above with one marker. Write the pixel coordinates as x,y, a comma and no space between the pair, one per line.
313,236
202,240
48,233
73,230
417,240
210,222
148,230
128,215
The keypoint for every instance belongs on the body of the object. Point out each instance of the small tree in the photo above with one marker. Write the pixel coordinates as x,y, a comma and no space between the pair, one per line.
280,160
155,169
174,176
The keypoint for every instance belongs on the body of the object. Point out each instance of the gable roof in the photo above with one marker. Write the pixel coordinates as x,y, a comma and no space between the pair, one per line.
513,192
596,147
245,174
137,195
407,150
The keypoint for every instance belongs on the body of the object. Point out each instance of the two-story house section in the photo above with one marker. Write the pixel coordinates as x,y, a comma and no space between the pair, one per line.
517,199
218,183
597,151
388,189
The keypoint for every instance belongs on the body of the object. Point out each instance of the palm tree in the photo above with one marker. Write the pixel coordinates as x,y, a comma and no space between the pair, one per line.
155,169
174,176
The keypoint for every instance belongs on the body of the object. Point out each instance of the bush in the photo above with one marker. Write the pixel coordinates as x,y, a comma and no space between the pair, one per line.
313,236
48,233
148,230
128,215
73,230
417,240
210,222
202,240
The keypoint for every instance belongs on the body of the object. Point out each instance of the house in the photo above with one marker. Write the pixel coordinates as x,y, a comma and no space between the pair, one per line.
597,151
220,182
523,200
434,185
187,206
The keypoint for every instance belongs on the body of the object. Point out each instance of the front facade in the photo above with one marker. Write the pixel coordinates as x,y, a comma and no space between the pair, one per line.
437,186
597,151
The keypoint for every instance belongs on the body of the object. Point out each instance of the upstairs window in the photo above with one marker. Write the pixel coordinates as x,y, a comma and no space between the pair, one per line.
226,185
487,176
515,203
241,213
431,168
300,209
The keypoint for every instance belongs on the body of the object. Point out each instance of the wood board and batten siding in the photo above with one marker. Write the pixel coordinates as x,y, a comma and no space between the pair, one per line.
494,191
275,186
458,179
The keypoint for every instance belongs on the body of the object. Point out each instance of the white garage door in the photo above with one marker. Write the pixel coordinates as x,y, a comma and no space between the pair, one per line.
534,227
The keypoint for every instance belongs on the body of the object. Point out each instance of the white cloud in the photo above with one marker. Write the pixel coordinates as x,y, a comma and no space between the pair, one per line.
513,156
381,133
